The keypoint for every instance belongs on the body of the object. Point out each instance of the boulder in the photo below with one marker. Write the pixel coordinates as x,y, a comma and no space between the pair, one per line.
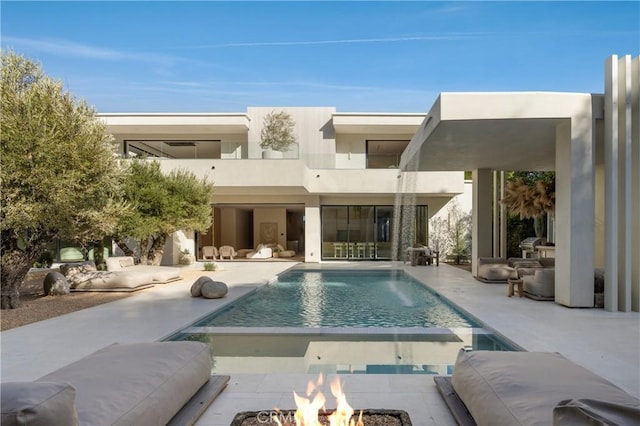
55,284
214,289
196,288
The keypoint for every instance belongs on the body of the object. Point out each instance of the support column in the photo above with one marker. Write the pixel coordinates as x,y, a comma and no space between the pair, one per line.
575,207
496,216
312,231
503,218
481,242
622,253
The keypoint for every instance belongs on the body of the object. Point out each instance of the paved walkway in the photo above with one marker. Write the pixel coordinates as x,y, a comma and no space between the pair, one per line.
606,343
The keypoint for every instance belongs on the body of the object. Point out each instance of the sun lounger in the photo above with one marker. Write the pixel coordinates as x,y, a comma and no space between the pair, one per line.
135,384
531,388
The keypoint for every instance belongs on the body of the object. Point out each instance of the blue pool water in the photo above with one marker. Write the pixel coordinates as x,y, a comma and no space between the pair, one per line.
341,299
346,322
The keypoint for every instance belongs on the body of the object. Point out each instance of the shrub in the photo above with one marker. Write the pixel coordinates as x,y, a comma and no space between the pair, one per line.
210,266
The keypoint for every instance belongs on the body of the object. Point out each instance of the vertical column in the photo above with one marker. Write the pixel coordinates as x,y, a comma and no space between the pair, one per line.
611,184
496,216
481,244
503,218
312,230
622,184
635,184
575,212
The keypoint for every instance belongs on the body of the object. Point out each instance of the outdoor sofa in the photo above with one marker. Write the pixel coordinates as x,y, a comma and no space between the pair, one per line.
532,388
498,270
133,384
121,275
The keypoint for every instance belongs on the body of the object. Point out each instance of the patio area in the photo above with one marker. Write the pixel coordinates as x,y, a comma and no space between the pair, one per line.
607,343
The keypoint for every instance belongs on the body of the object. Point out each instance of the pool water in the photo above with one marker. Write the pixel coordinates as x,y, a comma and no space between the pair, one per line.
338,299
346,322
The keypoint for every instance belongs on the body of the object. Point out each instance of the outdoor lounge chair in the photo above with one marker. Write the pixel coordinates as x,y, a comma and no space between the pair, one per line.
541,285
534,389
132,384
227,251
209,252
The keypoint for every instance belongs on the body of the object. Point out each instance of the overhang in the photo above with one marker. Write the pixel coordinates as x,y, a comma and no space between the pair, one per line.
384,123
499,131
168,124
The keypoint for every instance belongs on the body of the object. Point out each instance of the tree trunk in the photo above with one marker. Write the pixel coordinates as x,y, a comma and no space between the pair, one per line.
144,251
156,251
125,249
15,265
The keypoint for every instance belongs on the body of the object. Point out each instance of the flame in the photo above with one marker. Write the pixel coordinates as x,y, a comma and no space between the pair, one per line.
307,409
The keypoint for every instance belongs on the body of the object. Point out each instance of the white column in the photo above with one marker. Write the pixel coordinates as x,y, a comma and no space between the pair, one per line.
635,184
622,253
575,216
481,244
312,231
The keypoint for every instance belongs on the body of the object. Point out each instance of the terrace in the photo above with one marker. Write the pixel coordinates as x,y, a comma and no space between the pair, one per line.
606,343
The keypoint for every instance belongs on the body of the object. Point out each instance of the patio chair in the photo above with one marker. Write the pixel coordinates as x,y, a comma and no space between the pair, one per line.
227,251
209,252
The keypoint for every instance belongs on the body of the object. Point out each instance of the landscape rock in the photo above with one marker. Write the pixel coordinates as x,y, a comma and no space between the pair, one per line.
214,289
196,288
55,284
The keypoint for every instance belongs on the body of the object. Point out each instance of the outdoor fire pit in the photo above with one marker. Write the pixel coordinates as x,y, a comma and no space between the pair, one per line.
286,418
310,412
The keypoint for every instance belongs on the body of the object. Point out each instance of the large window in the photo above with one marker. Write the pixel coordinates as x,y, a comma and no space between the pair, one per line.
367,232
385,154
191,149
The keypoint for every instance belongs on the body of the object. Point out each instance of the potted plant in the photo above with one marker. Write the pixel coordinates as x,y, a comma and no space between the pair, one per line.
276,136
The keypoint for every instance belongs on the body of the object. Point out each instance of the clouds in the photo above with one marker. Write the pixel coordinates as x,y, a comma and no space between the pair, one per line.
69,48
399,39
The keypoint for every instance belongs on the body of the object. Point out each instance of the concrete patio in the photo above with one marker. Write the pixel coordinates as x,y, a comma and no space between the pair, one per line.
607,343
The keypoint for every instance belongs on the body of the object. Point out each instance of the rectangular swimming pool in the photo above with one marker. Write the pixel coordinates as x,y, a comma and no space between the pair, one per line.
334,321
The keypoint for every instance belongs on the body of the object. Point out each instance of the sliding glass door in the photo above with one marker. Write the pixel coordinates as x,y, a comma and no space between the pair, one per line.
365,232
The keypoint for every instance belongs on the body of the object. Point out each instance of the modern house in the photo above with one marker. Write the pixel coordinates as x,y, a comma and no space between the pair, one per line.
332,196
355,181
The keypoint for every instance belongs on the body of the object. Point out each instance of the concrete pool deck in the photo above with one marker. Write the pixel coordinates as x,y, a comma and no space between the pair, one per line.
607,343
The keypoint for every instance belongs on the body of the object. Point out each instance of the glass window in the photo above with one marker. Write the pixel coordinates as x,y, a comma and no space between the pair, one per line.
187,149
385,154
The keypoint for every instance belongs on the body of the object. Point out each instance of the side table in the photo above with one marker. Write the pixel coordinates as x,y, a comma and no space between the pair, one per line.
516,282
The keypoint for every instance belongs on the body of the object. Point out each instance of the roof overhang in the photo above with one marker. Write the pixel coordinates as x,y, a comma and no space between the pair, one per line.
499,131
196,123
383,123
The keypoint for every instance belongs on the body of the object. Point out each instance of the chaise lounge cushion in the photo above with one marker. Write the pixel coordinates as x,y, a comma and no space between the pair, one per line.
38,404
156,274
540,285
136,384
523,388
494,270
83,276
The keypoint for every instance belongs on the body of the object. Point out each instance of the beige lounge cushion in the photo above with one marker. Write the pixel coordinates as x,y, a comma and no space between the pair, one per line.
38,404
136,384
594,412
522,388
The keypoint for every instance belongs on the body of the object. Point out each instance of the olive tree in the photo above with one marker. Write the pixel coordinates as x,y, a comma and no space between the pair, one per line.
161,204
277,131
59,173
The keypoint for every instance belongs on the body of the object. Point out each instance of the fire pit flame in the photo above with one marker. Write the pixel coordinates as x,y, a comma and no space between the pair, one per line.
308,409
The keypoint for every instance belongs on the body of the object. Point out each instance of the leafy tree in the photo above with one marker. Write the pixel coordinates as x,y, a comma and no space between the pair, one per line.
277,132
161,205
59,172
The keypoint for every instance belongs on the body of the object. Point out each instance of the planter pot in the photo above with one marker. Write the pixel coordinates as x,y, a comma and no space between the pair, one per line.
272,155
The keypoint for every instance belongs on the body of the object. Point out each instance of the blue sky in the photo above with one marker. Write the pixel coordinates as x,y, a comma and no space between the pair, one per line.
212,56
